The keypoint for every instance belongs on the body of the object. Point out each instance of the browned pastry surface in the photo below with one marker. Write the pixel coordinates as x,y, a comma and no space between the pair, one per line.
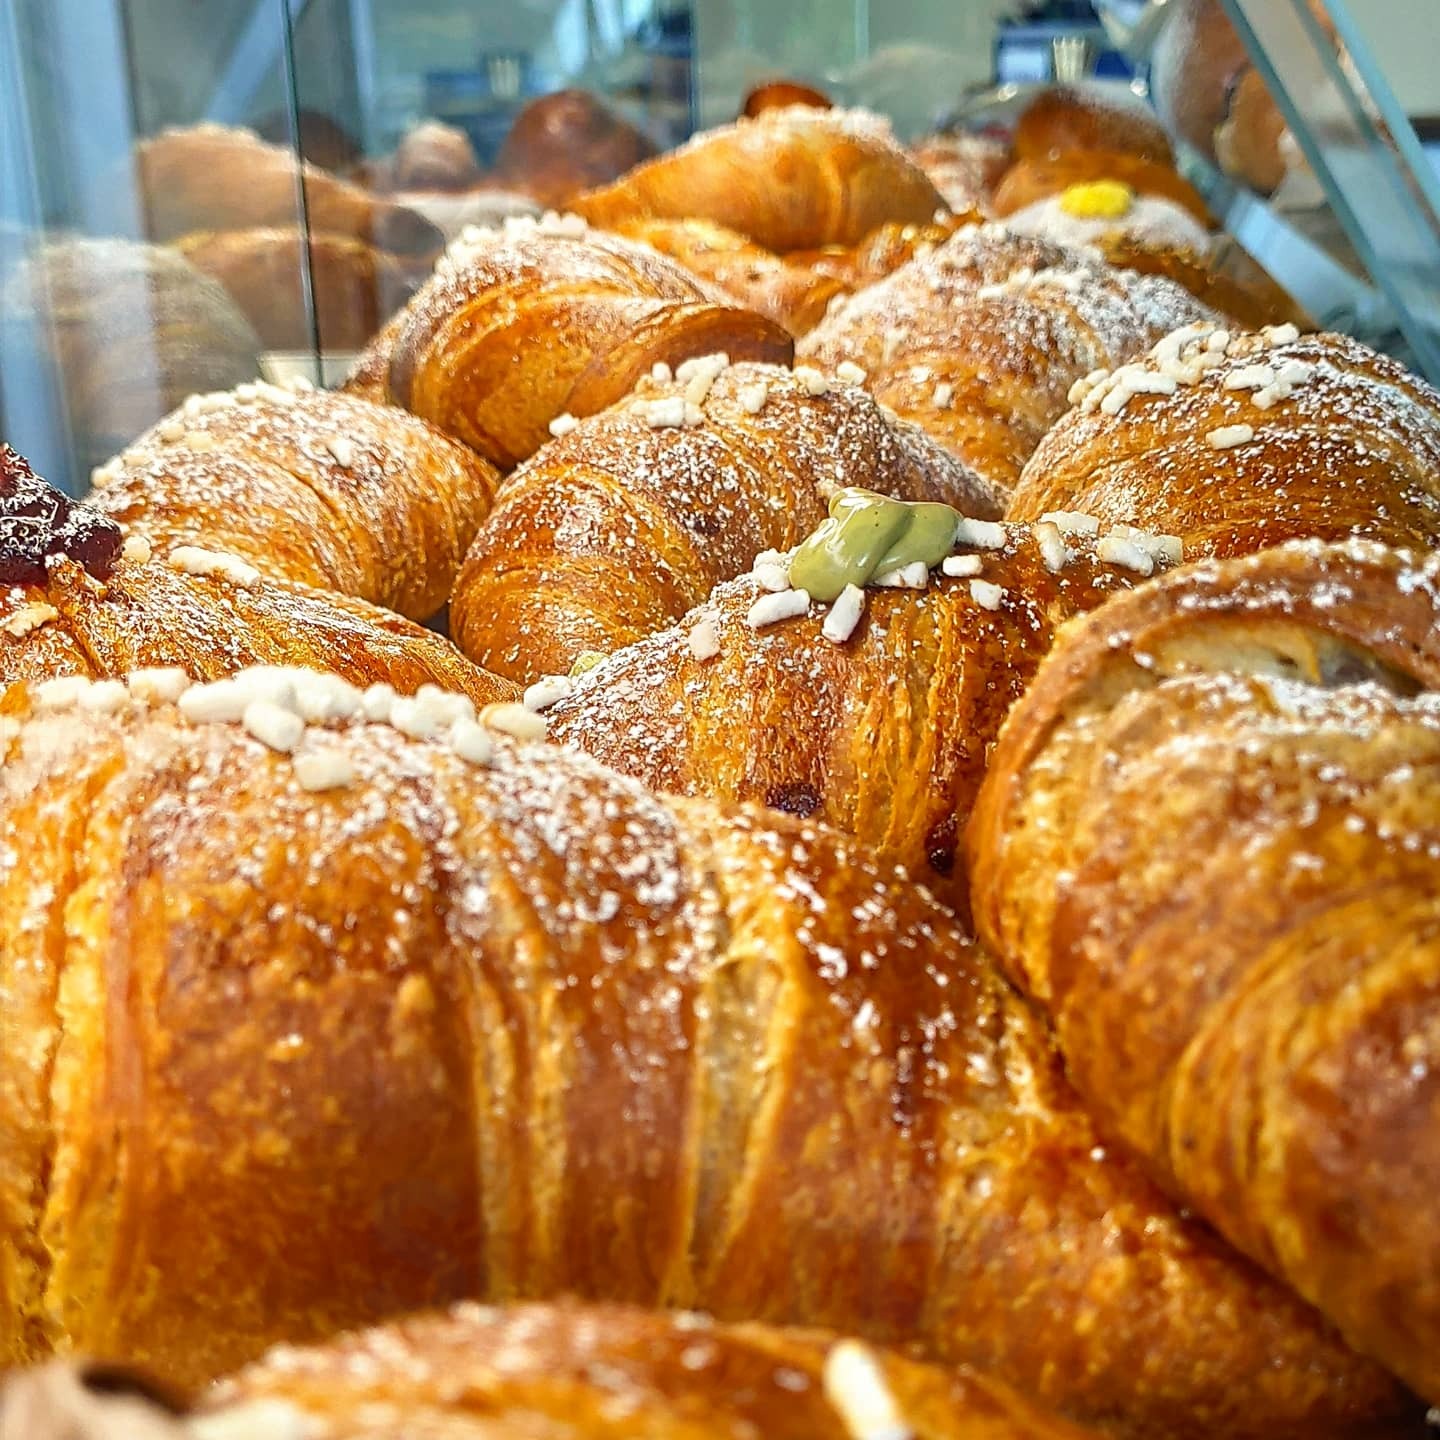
1237,288
1208,845
447,1029
324,489
898,720
620,526
883,251
969,343
1027,181
1351,447
153,614
517,328
565,142
275,278
792,295
1065,118
791,179
565,1371
213,177
780,95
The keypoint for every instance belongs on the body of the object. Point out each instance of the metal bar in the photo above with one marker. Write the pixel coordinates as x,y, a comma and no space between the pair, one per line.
256,52
1390,222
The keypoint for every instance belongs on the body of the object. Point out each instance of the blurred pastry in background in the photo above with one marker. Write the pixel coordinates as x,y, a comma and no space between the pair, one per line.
354,286
215,177
1096,210
1029,181
1064,118
1208,91
435,156
324,142
566,142
131,330
777,94
964,168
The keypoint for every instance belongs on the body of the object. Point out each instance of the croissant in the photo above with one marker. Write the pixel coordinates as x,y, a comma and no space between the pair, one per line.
323,489
899,716
1207,846
565,1370
516,329
625,522
981,340
788,179
301,1040
79,601
791,295
216,177
1239,442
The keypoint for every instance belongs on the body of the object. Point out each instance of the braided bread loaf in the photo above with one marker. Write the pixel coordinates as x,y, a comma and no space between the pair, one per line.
517,328
1208,846
788,179
981,340
899,713
318,488
384,1022
1237,442
625,522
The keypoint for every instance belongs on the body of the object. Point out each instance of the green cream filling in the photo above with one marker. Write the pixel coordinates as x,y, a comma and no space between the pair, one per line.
867,535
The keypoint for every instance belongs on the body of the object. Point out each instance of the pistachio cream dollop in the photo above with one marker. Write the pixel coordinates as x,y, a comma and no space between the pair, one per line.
868,535
585,662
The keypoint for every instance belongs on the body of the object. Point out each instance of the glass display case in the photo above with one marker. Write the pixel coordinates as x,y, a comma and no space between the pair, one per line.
144,257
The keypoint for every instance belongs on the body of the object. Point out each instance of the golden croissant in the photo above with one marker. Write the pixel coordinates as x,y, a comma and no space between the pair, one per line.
1237,442
980,340
305,1035
567,1370
1207,845
323,489
794,296
82,602
624,523
516,329
789,179
898,717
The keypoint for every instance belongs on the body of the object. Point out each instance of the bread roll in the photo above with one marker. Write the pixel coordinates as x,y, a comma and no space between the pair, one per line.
566,142
435,156
1063,118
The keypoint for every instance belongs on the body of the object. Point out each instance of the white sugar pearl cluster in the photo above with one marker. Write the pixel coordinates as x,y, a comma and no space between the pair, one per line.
1184,357
474,239
293,711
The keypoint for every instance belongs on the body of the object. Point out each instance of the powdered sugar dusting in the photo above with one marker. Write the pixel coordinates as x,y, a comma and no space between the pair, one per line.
1263,438
1002,326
